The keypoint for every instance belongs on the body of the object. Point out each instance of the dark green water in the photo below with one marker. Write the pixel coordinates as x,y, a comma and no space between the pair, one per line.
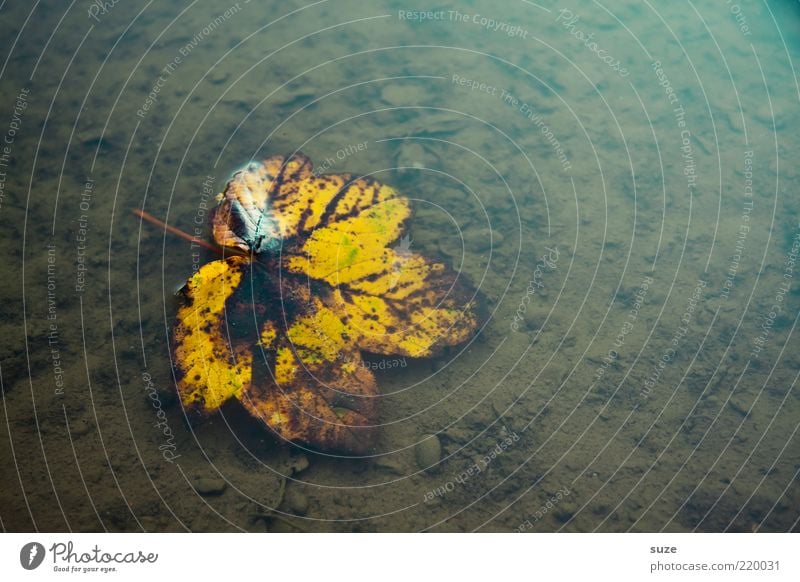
620,181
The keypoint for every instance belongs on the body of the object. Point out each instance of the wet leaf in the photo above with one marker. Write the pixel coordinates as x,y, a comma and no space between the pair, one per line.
212,369
330,274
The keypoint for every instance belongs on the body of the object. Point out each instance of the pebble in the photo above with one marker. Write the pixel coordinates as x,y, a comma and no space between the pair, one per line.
217,77
298,464
296,502
80,428
209,485
459,435
428,452
390,465
412,155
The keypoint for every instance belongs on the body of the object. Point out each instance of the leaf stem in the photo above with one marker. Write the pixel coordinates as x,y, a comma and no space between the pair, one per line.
176,231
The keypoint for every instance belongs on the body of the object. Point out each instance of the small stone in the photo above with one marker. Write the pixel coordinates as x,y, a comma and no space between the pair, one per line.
80,428
458,435
428,452
413,155
209,485
299,464
218,77
390,465
296,502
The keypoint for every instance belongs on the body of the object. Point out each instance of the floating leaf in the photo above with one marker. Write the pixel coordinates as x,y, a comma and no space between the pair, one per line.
330,274
212,368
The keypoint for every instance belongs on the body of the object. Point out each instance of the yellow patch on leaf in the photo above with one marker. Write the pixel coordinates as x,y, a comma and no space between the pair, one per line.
354,248
211,369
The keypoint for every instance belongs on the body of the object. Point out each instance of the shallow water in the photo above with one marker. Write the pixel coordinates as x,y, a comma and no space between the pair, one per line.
620,182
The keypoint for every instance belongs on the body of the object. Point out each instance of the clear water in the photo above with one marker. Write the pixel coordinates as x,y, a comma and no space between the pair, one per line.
620,181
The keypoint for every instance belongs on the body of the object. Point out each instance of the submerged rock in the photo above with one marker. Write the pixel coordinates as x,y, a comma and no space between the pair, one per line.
209,485
390,465
428,452
299,464
296,502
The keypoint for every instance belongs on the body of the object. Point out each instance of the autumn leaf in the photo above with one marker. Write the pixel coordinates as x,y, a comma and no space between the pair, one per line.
329,274
213,369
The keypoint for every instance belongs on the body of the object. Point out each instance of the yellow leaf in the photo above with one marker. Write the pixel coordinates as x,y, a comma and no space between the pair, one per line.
320,392
328,273
210,368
